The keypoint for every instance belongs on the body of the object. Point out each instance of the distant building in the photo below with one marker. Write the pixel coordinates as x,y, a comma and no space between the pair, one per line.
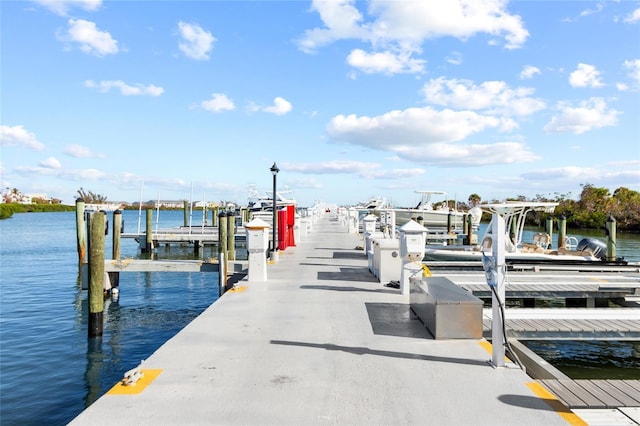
15,196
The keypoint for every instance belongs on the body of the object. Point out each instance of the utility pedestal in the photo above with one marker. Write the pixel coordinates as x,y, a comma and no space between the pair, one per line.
369,235
257,244
413,237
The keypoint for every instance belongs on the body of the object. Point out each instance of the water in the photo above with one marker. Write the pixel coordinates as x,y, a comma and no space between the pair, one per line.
580,359
50,371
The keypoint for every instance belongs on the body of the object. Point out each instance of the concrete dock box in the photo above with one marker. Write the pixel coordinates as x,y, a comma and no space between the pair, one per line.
448,311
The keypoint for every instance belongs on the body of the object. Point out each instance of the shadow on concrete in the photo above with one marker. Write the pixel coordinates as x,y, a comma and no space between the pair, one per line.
534,402
339,288
394,319
361,274
349,255
358,350
333,265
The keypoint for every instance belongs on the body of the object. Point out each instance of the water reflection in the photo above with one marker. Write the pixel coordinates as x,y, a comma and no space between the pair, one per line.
95,359
585,359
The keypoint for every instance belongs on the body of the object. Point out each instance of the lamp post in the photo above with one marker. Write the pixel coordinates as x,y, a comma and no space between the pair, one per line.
274,171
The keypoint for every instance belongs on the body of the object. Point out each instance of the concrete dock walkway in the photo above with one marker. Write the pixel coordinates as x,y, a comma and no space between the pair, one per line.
322,342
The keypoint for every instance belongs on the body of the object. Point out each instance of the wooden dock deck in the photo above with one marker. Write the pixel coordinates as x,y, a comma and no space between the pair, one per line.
569,329
595,393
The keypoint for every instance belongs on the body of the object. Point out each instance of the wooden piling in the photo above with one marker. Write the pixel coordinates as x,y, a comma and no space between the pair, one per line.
96,273
222,232
610,227
148,246
114,277
222,251
469,239
465,224
449,221
549,225
186,212
214,216
231,236
81,231
562,231
117,229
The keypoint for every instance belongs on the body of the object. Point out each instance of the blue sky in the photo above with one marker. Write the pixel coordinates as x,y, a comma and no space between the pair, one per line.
351,99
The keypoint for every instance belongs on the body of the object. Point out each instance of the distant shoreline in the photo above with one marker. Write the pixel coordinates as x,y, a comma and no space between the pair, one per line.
8,209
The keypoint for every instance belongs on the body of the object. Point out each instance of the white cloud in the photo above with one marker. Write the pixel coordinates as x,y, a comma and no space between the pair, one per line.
384,62
342,20
598,9
50,163
528,72
470,155
398,28
454,58
413,127
196,43
280,106
78,151
585,76
622,87
633,17
91,39
494,97
218,102
589,115
358,168
67,174
634,70
582,174
608,175
19,136
124,88
426,135
62,7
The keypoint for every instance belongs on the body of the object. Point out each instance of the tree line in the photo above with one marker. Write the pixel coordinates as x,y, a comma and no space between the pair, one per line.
590,211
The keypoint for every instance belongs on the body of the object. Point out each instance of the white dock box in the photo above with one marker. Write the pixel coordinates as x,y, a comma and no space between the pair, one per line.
388,263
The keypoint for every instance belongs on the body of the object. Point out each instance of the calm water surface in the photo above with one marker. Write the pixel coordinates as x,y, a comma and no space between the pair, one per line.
50,371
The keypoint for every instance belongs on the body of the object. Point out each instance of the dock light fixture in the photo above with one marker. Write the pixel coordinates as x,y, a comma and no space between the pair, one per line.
274,171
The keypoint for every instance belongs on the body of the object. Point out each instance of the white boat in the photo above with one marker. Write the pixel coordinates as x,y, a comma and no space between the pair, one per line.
437,217
538,250
258,202
373,203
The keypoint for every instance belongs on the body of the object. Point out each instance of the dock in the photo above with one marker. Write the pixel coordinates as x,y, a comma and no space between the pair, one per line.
323,342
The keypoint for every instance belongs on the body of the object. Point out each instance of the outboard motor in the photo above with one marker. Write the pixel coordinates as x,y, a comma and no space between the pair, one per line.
594,246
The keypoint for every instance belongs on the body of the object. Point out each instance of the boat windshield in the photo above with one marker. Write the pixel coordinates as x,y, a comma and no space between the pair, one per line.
514,214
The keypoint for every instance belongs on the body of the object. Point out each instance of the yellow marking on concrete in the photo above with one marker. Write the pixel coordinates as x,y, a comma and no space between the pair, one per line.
148,377
489,348
600,280
568,415
239,289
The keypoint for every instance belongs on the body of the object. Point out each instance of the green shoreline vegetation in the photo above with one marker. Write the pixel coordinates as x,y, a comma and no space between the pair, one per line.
589,212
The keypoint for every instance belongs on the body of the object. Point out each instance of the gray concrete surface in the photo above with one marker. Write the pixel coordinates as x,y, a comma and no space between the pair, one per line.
321,343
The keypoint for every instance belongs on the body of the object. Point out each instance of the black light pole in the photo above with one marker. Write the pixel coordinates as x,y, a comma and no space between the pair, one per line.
274,171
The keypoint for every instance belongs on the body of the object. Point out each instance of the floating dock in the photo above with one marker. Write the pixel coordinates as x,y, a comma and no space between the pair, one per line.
322,342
